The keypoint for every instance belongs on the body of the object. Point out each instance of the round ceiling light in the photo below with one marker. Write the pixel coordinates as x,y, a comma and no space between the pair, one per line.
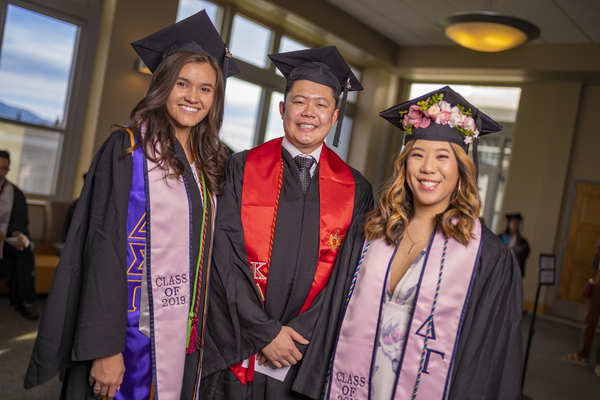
487,31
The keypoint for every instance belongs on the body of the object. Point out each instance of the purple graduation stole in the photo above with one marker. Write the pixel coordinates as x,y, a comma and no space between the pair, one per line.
435,325
154,367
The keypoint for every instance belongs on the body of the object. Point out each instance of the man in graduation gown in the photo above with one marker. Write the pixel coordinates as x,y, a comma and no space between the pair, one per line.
290,208
17,264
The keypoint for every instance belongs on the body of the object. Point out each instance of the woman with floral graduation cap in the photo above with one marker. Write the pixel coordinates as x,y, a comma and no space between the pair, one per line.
126,312
435,311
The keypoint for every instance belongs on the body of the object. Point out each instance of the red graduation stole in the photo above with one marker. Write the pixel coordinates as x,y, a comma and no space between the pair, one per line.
260,199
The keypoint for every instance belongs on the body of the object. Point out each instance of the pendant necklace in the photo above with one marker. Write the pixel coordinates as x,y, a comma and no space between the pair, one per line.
413,242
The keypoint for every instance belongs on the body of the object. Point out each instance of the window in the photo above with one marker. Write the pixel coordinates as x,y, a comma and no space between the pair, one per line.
252,98
501,104
37,64
191,7
250,41
241,113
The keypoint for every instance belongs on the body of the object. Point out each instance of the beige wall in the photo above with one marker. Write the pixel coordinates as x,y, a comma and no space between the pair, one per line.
545,129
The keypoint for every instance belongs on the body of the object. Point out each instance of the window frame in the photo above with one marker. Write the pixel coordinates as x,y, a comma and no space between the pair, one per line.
86,16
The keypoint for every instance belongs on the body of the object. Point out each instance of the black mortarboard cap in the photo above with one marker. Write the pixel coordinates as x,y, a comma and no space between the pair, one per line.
194,34
510,217
323,65
451,119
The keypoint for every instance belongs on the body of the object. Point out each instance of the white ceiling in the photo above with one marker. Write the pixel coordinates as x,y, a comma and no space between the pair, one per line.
412,22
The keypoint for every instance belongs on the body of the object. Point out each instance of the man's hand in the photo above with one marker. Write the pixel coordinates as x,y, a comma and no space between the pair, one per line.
23,242
282,351
106,376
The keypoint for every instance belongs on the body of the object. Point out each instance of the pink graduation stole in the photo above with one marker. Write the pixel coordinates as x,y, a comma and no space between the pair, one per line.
440,305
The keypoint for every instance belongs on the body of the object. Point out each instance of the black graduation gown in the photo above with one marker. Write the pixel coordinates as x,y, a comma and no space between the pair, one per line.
488,358
238,324
85,316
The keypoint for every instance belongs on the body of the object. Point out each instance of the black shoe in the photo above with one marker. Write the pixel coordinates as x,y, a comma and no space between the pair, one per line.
28,310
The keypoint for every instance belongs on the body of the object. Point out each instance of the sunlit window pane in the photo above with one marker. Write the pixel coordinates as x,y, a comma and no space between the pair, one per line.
190,7
506,153
274,123
342,149
34,156
500,103
250,41
489,151
35,67
242,100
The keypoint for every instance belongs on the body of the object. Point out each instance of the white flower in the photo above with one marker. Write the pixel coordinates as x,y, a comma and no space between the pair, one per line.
434,109
456,117
445,106
468,139
476,133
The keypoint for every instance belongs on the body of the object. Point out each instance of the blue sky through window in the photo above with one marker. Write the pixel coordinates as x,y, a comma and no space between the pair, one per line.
35,65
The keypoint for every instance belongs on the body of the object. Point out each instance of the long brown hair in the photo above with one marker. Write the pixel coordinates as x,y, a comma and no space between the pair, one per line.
204,137
396,206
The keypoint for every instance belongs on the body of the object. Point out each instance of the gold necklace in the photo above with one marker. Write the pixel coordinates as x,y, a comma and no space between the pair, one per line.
413,242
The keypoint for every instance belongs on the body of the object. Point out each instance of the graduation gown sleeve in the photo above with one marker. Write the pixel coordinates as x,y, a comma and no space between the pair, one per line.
85,316
489,355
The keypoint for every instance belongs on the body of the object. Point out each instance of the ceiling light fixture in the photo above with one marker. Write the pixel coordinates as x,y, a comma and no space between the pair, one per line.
488,31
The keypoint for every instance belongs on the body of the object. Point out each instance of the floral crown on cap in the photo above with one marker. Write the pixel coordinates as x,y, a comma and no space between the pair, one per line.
440,112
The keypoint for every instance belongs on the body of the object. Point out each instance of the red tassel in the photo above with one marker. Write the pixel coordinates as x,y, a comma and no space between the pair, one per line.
250,372
193,337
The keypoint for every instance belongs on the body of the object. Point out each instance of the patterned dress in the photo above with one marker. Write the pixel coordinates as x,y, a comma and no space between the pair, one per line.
394,320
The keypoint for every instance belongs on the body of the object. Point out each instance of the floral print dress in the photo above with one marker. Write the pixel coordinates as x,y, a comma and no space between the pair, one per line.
394,320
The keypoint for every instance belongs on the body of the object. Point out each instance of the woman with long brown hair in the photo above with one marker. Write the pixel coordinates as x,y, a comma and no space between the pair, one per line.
127,308
435,308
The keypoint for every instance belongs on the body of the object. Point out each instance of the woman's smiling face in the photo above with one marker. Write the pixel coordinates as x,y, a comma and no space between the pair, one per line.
432,175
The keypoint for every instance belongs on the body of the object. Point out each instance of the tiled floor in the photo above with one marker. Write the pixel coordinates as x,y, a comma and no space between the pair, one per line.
548,377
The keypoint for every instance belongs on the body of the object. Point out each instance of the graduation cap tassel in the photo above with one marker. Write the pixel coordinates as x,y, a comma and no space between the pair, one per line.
226,66
338,129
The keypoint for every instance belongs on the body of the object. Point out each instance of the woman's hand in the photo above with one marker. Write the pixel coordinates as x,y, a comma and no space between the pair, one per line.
106,376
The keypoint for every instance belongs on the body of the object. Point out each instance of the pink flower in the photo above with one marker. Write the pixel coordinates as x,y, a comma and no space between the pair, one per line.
469,124
417,117
442,118
405,120
433,111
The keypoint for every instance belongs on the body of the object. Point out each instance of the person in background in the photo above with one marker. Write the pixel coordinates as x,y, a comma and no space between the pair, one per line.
436,309
126,312
287,206
590,321
17,262
513,239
